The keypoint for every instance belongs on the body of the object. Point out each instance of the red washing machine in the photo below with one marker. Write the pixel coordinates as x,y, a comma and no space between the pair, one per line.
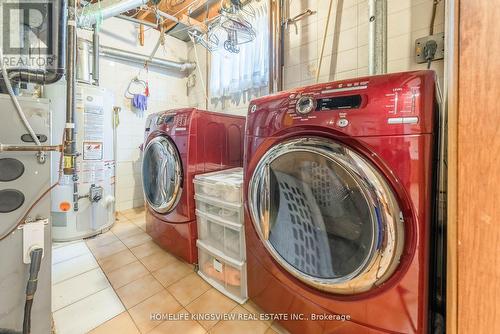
338,204
178,145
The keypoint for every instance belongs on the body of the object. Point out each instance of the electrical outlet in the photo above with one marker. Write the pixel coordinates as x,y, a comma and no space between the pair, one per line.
33,237
420,44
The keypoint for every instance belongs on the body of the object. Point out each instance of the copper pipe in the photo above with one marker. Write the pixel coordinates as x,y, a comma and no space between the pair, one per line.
30,148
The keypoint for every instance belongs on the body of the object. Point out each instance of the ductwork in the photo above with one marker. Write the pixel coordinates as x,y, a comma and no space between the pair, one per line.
92,14
141,59
47,76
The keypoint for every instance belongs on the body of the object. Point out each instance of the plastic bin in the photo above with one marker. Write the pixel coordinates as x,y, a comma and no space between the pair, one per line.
226,275
227,211
223,185
224,236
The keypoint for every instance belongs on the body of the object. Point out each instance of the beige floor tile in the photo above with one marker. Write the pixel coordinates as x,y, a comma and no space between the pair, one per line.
138,290
116,260
121,324
188,288
278,328
132,214
126,274
136,240
146,249
211,301
172,272
140,222
253,308
157,260
109,249
243,324
101,240
125,230
179,326
161,303
133,211
120,218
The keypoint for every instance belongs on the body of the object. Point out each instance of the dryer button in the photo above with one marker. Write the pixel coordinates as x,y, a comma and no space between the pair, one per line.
343,122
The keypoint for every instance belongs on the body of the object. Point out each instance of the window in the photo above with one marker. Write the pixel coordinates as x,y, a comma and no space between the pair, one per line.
242,75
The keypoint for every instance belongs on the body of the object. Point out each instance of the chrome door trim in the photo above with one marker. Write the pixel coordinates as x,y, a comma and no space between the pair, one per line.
387,218
169,146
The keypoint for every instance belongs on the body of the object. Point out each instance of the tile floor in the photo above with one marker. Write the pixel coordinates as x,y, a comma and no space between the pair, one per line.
112,283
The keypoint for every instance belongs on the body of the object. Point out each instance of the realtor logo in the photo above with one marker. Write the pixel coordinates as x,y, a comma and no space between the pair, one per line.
28,32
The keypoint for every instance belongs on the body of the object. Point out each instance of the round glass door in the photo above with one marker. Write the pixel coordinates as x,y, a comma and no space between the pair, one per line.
161,175
326,215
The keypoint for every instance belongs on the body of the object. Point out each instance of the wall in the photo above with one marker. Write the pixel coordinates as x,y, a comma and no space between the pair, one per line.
168,90
346,48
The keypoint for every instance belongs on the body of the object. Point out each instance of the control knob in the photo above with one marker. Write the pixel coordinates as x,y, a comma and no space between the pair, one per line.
305,105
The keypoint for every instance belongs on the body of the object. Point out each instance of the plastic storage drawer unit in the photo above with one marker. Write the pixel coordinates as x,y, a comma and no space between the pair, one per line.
225,236
223,185
227,211
225,274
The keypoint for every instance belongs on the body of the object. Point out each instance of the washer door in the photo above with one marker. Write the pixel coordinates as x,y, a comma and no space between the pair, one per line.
161,175
327,215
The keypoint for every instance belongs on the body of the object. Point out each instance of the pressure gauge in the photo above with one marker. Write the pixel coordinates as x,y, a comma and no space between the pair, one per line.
305,105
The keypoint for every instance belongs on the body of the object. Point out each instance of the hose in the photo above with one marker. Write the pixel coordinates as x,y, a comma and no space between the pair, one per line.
320,60
36,260
16,102
199,71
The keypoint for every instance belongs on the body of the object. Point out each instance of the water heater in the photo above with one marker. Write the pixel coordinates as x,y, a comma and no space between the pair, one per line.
88,208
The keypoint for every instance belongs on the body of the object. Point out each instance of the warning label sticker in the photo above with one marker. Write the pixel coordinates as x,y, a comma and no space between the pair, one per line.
92,150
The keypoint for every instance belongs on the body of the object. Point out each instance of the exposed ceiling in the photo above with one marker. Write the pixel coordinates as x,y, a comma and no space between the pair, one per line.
189,13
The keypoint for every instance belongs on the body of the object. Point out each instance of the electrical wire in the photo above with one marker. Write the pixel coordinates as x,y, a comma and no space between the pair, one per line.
13,97
431,29
199,70
433,16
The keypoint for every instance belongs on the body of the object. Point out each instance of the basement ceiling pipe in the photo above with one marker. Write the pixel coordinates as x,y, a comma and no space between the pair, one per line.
141,59
94,13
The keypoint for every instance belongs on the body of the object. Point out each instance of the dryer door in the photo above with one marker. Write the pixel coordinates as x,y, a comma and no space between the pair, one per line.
161,175
327,215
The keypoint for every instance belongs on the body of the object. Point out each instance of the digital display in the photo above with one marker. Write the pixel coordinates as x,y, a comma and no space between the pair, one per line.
340,102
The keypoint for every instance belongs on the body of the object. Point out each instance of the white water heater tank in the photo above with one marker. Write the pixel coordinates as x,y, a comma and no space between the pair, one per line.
95,211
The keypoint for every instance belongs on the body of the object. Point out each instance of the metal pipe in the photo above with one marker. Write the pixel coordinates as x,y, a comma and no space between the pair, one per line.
134,20
82,70
275,46
141,59
70,142
377,36
95,53
48,76
167,16
30,148
94,13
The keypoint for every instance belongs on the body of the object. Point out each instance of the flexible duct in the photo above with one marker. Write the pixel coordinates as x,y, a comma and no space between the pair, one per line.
92,14
47,76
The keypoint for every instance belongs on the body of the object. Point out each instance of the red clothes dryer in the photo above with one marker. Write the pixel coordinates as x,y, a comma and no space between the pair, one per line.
178,145
338,204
